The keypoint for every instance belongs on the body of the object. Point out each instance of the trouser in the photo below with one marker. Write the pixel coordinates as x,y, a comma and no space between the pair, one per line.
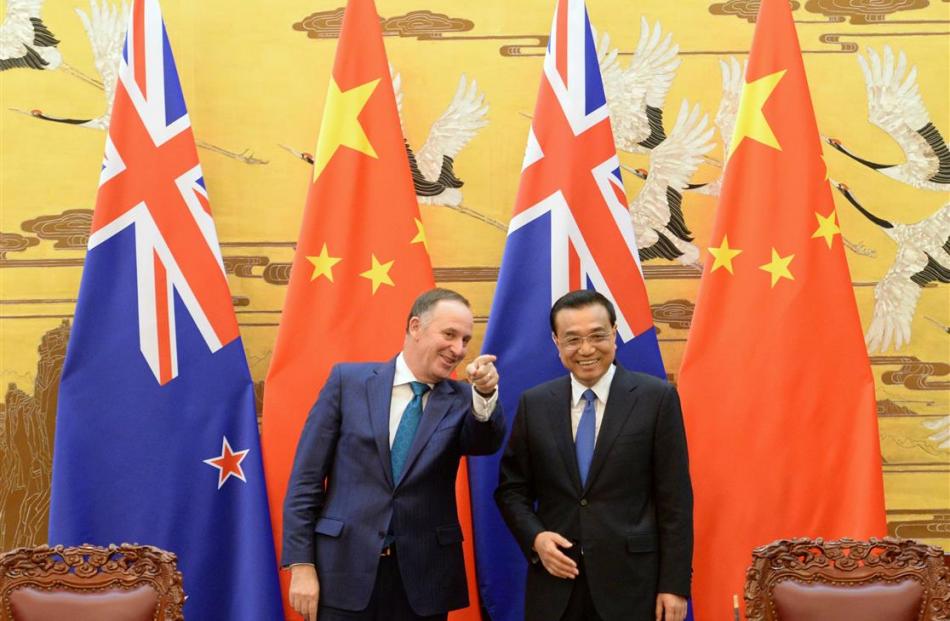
580,607
388,601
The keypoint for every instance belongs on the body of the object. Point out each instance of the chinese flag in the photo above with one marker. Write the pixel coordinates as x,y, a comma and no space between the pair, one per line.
361,257
777,390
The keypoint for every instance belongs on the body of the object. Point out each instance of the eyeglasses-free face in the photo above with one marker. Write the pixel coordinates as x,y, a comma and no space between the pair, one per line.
586,342
438,340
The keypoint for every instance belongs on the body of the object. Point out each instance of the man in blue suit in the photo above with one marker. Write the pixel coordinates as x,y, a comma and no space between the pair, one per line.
370,507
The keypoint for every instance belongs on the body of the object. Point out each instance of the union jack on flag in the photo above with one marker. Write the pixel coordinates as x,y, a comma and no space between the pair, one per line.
147,449
571,171
151,180
570,230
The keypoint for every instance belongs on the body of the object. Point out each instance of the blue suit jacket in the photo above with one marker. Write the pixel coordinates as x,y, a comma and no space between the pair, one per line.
342,498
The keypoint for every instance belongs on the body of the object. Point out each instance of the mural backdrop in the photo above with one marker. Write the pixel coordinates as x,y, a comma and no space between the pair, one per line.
255,73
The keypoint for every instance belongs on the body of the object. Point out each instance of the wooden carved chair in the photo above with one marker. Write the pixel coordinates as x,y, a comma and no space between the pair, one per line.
89,583
878,580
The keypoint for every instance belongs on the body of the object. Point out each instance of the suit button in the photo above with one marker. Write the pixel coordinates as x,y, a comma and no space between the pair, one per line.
584,502
381,534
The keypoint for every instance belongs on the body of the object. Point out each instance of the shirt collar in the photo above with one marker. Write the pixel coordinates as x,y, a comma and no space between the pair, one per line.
403,374
601,388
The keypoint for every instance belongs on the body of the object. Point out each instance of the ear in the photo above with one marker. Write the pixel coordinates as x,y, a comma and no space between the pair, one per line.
415,326
554,339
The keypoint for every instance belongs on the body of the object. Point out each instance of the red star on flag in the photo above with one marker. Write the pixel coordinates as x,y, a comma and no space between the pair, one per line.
228,462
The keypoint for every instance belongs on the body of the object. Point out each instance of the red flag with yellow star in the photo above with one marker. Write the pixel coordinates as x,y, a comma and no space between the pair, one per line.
777,390
361,257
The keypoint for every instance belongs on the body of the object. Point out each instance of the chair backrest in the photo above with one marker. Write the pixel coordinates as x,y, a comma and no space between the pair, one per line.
89,583
877,580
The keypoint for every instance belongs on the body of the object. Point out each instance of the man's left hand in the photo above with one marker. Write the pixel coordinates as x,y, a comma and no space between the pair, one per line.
670,607
483,375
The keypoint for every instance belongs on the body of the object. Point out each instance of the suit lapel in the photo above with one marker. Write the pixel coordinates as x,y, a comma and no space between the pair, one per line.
379,394
561,428
620,404
436,408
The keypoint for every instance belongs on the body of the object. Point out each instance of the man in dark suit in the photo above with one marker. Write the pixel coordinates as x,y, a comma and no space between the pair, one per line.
371,503
595,485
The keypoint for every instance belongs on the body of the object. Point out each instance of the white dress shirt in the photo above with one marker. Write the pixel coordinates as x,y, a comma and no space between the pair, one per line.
601,389
402,395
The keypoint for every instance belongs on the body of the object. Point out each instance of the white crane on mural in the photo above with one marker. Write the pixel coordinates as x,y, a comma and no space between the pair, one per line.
656,211
923,256
895,106
448,135
105,27
25,41
636,94
433,173
635,97
733,77
941,429
432,167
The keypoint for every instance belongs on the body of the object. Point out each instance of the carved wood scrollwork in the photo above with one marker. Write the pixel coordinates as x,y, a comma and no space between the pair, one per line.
89,568
847,562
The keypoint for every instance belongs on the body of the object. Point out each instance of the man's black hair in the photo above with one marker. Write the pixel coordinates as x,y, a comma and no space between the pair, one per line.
580,299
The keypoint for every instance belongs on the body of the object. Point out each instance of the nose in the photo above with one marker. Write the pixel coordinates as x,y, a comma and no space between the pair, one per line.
458,348
586,347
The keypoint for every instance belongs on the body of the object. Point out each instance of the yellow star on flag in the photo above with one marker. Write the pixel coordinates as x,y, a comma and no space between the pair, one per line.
379,273
420,237
723,255
341,125
827,227
323,264
778,267
751,121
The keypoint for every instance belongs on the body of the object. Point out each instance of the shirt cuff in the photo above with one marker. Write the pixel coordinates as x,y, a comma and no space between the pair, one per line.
482,407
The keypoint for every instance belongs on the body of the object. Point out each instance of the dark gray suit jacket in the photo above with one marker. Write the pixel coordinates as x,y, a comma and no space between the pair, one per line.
632,519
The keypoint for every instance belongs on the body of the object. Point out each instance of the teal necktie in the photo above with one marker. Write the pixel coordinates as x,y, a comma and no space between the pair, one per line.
407,429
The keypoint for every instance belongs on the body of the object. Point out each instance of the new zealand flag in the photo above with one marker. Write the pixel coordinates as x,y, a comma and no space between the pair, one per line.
156,434
570,230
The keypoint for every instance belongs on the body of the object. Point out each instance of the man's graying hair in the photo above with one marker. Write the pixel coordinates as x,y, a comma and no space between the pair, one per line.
427,301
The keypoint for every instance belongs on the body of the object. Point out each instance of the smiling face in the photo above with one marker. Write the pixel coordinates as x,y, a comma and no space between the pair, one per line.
436,341
586,341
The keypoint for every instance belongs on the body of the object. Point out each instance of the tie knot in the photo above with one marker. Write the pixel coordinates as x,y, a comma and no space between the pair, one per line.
419,388
589,396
